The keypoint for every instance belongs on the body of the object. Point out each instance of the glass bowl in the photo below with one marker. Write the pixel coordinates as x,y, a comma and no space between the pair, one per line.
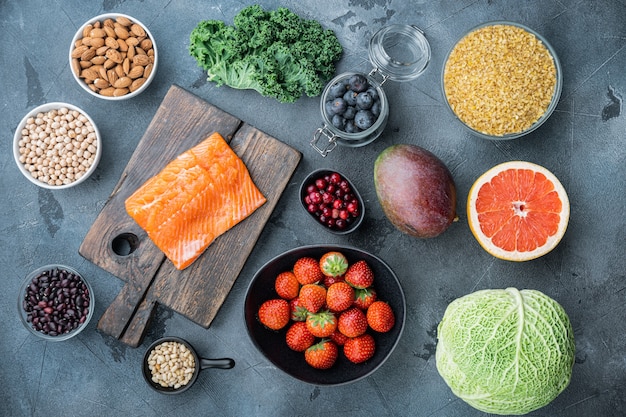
61,294
109,58
550,107
47,152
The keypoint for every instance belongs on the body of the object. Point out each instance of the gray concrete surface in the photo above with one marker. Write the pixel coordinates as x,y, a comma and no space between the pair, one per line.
583,143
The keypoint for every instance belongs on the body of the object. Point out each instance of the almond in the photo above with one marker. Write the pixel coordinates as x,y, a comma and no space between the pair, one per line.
111,42
146,44
126,65
97,33
124,21
102,50
109,23
142,60
88,54
108,64
76,66
87,29
123,82
137,30
132,41
98,60
78,51
119,70
137,84
101,83
136,72
121,32
147,70
118,92
92,88
97,42
123,45
84,64
86,40
112,76
110,32
114,55
140,51
89,74
131,52
107,92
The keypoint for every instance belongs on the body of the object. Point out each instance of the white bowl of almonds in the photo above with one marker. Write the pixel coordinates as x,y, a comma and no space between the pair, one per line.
113,56
57,145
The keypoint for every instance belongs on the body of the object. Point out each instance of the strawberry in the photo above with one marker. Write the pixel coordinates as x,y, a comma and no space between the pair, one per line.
287,285
328,281
322,355
274,313
380,317
298,337
298,313
338,338
360,275
312,297
359,349
333,264
364,297
307,271
321,324
352,322
339,296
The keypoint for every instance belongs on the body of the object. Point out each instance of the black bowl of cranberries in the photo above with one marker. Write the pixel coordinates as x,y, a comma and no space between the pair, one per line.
332,200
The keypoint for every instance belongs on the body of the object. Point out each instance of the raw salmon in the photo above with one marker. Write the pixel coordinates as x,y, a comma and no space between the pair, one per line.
198,196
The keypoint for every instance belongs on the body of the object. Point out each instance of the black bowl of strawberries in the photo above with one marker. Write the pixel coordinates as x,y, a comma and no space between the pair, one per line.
332,200
325,314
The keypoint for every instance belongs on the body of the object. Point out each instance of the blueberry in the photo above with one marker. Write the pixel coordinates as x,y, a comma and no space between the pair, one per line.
339,122
358,83
375,108
328,108
364,101
372,92
349,113
338,105
350,97
364,119
350,127
338,89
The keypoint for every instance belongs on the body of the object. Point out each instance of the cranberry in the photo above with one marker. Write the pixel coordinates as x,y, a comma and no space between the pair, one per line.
352,207
327,198
341,224
343,214
320,183
330,188
315,197
335,178
312,208
337,204
311,189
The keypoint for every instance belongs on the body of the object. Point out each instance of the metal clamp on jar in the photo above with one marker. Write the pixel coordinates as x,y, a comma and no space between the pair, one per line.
398,53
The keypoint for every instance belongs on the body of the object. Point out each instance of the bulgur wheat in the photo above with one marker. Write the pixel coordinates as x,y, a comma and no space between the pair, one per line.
499,79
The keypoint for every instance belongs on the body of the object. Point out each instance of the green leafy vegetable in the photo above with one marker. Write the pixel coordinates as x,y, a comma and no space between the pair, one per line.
276,53
505,351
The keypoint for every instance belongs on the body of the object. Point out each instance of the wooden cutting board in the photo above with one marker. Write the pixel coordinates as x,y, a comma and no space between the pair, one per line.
118,245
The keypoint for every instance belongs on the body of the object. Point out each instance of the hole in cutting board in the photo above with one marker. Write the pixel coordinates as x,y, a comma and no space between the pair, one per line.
125,244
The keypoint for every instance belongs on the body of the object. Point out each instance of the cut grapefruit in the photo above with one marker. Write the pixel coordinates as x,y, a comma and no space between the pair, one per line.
518,211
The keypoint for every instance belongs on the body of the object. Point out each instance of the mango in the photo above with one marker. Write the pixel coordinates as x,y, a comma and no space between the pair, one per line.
416,190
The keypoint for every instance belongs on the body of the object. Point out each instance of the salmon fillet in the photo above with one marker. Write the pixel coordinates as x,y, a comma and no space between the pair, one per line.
197,197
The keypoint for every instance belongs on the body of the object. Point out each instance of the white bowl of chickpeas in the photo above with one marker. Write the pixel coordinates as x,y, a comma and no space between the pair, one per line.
57,145
113,56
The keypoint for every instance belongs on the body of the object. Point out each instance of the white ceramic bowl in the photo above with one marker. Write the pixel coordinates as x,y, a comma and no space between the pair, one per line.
101,18
17,137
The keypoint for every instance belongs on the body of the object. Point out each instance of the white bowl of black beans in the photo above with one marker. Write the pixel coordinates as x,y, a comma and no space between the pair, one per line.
55,302
57,145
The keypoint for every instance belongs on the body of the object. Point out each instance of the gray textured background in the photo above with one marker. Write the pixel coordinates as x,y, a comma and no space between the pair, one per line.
582,143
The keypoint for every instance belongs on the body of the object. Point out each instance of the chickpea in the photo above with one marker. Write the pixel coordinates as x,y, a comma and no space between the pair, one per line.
50,140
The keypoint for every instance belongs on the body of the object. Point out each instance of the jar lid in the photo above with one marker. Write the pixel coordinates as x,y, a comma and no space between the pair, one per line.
399,52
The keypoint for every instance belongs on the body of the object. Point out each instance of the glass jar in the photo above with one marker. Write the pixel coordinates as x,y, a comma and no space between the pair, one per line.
398,53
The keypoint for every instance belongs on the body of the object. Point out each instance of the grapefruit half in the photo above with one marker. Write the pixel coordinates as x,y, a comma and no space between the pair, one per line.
518,211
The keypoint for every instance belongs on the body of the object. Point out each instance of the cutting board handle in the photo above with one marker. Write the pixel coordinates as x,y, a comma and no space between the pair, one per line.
116,317
136,329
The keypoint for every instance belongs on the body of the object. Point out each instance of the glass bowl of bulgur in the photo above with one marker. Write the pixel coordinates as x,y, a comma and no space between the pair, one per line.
57,145
502,80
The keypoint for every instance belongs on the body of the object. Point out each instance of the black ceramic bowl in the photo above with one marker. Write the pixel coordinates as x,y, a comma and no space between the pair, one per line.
272,343
200,364
354,222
